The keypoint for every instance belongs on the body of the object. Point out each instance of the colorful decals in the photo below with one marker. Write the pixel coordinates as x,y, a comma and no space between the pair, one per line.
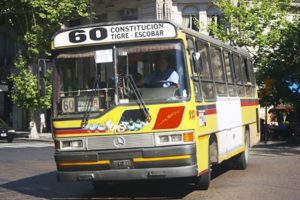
126,126
108,126
169,118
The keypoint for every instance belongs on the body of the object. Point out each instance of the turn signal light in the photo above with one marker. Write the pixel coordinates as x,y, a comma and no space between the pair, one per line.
188,137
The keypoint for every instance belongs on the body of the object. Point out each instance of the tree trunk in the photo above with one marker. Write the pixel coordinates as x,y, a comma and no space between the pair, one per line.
32,126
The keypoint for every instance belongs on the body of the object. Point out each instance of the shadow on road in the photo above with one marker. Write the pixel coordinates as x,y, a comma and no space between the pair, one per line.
45,186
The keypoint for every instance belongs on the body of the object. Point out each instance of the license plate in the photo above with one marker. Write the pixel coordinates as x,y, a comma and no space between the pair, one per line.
3,135
122,164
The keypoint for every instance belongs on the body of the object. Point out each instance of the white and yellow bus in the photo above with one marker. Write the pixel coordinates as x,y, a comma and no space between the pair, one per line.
117,116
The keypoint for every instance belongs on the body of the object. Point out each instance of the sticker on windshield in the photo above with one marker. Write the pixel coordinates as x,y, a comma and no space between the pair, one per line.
104,56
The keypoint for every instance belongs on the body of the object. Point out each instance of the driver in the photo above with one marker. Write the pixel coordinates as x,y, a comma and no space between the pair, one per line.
165,76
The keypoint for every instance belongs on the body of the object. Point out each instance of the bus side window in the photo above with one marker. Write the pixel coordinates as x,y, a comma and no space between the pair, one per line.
252,77
229,73
195,78
206,74
246,76
238,76
218,71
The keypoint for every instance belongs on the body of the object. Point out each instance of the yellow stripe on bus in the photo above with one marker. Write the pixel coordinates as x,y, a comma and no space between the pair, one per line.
100,162
234,153
161,158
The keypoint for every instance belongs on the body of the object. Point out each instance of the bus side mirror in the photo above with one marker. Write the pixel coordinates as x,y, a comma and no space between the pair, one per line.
197,62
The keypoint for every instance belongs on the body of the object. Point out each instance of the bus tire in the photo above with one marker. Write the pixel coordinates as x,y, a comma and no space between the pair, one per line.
240,161
202,182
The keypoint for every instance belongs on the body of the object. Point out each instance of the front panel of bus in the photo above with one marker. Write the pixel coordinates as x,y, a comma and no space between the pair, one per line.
117,114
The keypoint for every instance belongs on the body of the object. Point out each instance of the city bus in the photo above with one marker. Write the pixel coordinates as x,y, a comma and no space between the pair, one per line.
117,116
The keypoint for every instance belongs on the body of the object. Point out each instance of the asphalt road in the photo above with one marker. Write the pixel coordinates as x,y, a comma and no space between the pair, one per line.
273,173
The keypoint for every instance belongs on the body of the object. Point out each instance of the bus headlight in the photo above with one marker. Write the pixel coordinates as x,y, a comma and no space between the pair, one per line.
70,145
171,138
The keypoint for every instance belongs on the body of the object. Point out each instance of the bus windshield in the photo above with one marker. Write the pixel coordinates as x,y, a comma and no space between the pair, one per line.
96,80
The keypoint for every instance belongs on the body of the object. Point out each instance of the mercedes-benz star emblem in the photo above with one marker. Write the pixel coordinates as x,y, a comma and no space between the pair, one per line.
119,141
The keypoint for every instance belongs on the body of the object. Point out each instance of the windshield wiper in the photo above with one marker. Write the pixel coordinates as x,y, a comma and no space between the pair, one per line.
89,101
139,97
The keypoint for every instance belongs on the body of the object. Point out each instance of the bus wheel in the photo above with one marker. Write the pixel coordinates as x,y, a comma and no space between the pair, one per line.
240,161
202,181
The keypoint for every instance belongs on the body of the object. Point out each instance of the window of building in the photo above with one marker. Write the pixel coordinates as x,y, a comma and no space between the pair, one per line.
129,14
190,17
214,15
100,18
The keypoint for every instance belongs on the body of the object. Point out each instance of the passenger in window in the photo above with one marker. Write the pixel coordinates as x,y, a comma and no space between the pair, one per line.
164,76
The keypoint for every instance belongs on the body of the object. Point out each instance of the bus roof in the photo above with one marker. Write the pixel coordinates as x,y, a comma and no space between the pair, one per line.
175,25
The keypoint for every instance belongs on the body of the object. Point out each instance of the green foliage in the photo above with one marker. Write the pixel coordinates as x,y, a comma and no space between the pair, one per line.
34,22
283,66
25,88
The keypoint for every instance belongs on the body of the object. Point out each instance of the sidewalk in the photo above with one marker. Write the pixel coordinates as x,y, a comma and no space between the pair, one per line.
43,137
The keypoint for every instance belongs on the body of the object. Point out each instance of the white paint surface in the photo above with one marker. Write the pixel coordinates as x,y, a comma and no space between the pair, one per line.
229,119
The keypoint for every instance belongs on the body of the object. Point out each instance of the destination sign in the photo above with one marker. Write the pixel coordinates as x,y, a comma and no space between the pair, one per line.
114,33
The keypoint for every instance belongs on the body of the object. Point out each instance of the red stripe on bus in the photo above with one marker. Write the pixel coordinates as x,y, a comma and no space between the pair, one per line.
207,112
210,111
249,103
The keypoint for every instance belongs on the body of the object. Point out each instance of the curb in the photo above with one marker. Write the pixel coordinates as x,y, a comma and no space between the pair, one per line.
44,137
50,140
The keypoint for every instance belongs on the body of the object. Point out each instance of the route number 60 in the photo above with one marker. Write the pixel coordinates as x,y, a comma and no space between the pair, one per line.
68,105
95,34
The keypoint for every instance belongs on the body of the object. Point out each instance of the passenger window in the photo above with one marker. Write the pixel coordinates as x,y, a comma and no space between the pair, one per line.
207,84
229,74
196,79
245,70
252,77
246,76
217,70
238,76
203,50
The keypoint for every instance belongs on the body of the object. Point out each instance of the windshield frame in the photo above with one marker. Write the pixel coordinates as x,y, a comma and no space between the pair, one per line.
57,97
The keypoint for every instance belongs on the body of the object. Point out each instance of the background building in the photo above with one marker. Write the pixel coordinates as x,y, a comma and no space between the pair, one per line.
184,12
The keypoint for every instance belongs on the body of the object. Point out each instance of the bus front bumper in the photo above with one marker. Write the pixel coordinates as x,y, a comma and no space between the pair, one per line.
130,164
131,174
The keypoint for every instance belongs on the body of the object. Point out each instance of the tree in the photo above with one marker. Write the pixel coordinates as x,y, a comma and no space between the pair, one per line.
34,22
283,66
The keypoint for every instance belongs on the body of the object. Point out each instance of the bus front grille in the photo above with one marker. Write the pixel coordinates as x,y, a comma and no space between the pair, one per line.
120,141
